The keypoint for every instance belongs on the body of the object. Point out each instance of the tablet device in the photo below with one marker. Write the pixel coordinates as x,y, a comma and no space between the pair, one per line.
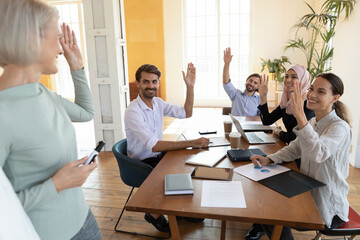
213,173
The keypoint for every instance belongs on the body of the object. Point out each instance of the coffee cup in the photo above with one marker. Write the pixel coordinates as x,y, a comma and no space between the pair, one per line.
235,140
227,126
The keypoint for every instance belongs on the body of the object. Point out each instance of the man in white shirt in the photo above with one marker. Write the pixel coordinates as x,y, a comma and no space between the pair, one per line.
144,116
243,103
144,120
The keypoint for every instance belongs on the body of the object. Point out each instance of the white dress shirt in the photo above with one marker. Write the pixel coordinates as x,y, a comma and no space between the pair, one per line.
144,126
324,149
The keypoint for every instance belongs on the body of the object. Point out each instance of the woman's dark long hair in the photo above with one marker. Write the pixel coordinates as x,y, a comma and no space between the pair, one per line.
337,87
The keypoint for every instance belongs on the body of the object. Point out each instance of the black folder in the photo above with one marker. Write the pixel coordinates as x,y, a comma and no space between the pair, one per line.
241,155
291,183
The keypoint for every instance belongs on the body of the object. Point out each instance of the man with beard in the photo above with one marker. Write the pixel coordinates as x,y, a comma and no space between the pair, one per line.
144,119
243,103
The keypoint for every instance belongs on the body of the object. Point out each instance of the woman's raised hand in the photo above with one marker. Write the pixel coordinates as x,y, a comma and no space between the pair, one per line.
297,104
263,88
72,52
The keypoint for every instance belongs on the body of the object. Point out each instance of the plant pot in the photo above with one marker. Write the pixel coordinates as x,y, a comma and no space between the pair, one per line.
272,76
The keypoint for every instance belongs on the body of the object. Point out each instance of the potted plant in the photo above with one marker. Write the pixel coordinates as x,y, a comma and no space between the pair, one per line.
275,67
320,28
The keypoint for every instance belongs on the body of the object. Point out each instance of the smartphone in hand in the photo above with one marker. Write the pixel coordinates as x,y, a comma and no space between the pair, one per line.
93,155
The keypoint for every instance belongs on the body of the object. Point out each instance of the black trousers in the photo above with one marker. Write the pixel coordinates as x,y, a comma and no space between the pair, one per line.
154,160
286,231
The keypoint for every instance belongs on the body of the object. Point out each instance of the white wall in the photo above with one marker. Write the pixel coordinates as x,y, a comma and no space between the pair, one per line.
173,51
345,65
271,22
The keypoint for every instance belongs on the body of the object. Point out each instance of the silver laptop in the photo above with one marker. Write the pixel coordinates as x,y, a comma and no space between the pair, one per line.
252,137
248,127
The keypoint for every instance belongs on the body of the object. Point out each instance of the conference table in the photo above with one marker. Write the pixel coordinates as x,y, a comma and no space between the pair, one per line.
263,205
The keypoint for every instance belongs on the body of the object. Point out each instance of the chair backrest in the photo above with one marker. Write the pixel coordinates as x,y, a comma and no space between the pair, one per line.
226,110
132,172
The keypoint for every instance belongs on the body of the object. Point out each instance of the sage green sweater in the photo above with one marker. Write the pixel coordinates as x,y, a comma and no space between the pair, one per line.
37,138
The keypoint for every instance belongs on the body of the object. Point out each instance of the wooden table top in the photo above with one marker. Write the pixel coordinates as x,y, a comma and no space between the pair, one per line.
263,204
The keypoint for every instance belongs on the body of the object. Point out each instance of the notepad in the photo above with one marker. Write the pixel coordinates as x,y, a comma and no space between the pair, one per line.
178,184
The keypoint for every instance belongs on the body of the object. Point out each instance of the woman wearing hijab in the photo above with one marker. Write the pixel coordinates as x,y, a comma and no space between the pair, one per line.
284,110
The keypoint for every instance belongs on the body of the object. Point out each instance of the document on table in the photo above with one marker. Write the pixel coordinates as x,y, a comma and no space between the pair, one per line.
222,194
257,173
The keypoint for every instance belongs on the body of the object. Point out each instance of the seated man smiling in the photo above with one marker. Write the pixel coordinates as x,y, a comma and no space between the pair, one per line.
144,120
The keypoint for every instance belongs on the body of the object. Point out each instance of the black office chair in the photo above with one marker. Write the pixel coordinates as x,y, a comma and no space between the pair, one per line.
350,228
133,173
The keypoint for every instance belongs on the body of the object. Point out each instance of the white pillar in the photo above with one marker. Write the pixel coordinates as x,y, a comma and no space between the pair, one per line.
107,59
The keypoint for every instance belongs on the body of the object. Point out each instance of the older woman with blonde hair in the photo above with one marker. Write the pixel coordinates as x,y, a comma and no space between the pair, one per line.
38,144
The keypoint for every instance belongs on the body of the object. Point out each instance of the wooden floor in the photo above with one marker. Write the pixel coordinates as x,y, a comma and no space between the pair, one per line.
106,195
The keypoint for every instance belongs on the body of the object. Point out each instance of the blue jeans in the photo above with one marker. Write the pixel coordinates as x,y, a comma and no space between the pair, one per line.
90,230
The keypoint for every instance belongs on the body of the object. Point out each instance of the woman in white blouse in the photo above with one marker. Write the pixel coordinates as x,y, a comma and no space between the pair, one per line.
323,144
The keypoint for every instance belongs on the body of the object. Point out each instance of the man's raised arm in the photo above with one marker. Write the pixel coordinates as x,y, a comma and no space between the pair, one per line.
189,80
227,60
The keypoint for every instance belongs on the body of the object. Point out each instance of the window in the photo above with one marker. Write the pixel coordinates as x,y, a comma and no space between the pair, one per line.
210,27
71,12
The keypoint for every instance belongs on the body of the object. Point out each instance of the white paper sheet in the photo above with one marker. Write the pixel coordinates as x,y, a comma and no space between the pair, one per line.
222,194
256,174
